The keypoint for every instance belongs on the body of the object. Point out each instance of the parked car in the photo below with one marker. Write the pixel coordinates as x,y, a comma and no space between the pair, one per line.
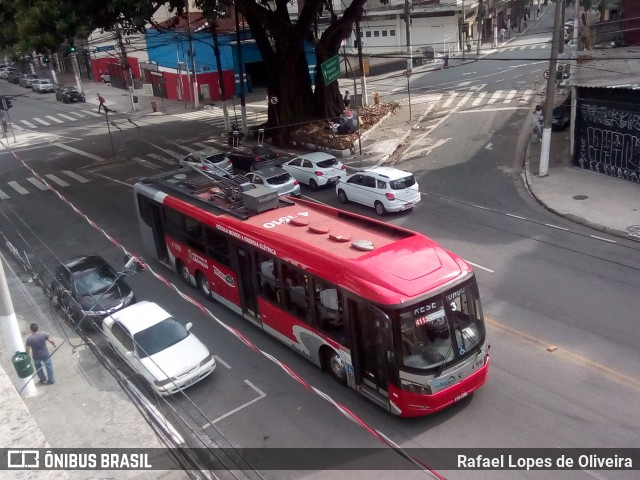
275,178
43,85
13,77
316,169
251,157
386,189
69,95
89,286
159,348
4,73
26,79
561,116
215,162
105,78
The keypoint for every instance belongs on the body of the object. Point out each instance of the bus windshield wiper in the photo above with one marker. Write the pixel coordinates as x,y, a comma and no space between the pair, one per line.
444,360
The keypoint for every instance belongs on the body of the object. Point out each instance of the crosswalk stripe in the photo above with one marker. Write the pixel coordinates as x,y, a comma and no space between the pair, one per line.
39,120
18,188
175,155
204,146
92,113
449,101
57,180
75,176
29,124
4,196
464,100
145,163
509,97
162,159
479,99
77,114
37,183
187,149
494,97
525,96
73,119
50,117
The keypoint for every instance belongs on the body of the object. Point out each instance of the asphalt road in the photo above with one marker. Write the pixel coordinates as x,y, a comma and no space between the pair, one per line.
542,286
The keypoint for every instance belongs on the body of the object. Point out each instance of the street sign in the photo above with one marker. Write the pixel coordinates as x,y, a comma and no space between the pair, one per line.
105,48
273,100
407,73
546,73
331,69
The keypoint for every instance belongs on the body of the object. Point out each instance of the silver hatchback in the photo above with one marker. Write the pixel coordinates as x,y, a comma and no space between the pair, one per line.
275,178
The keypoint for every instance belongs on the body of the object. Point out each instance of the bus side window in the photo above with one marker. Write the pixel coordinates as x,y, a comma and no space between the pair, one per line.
193,231
217,247
296,294
269,284
328,303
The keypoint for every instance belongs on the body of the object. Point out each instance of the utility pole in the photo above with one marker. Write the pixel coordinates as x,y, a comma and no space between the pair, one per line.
464,32
243,107
494,25
480,25
216,53
551,81
76,72
577,14
363,81
407,23
192,55
562,27
125,64
11,330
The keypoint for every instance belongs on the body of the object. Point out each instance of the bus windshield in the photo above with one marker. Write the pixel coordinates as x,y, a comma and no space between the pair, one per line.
442,330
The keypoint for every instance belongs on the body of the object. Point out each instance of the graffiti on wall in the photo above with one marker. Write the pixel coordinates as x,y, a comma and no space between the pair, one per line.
609,141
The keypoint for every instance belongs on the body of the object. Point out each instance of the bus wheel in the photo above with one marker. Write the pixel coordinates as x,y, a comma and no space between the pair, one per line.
336,366
184,272
203,285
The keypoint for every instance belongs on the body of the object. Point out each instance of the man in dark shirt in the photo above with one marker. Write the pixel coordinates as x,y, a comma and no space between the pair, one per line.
37,342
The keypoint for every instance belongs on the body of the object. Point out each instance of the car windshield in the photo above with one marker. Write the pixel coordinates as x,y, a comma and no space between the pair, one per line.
279,179
328,163
91,282
402,183
159,337
443,329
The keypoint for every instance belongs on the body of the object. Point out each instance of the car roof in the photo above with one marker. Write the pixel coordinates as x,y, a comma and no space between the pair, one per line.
388,172
269,171
140,316
84,262
317,156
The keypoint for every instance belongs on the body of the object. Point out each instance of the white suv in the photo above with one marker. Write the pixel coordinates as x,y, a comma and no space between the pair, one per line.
384,188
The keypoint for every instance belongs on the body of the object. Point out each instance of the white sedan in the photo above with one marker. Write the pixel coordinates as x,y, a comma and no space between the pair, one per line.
316,169
386,189
157,347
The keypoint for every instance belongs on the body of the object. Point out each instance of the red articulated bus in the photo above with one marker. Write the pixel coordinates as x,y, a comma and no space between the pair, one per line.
385,310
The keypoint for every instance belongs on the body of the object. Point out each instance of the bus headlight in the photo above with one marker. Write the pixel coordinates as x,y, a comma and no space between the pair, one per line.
415,388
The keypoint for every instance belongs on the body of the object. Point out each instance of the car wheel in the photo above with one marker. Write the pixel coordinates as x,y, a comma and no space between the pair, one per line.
342,196
337,368
313,185
380,210
182,269
203,285
65,100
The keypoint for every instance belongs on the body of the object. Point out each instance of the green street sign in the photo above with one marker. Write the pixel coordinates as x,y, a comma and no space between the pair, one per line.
331,70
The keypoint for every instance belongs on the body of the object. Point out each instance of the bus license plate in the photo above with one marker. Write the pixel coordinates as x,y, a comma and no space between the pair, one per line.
460,397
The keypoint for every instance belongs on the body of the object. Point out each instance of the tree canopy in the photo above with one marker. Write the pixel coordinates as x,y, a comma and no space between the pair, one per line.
43,25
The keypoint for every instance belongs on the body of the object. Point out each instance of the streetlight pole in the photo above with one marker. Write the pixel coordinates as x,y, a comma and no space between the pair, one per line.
407,22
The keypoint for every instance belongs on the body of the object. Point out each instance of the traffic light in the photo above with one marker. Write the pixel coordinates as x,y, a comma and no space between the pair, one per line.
5,103
45,59
72,46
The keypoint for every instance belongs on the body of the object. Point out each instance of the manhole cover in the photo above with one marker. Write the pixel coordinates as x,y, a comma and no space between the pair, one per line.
580,197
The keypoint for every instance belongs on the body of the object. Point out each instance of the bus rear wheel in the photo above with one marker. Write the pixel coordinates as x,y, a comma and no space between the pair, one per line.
184,272
337,368
203,285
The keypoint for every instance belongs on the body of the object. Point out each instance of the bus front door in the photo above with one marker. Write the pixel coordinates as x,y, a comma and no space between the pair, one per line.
246,282
158,232
375,347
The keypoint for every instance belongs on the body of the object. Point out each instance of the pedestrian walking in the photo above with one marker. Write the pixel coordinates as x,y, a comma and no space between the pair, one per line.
503,32
536,120
346,99
101,100
37,348
469,43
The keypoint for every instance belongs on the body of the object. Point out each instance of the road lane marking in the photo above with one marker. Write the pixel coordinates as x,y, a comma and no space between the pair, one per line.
515,216
525,96
37,183
80,152
39,120
477,101
145,163
623,377
219,360
480,267
92,113
450,100
73,119
168,161
556,227
603,239
75,176
57,180
4,196
78,114
174,154
52,118
261,395
464,100
510,95
29,124
494,97
115,180
16,186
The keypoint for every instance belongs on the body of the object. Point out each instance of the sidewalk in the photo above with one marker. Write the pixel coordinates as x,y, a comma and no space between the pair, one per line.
85,408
